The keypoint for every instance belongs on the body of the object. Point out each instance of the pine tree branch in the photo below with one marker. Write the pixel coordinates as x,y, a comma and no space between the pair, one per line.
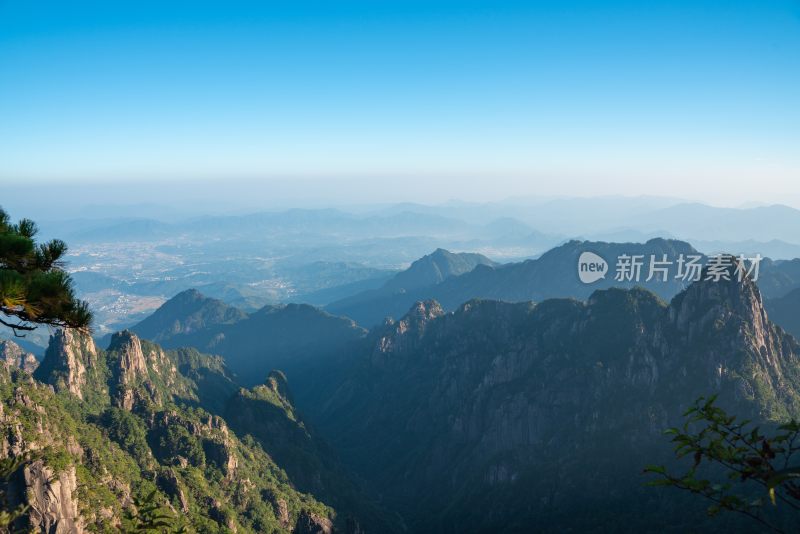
16,327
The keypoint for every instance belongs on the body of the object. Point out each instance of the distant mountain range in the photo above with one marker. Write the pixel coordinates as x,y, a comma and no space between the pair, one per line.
399,292
273,337
612,216
322,256
297,222
776,226
699,221
553,275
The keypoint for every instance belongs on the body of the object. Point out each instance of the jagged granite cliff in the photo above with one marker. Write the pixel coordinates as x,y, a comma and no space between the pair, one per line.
98,430
517,417
16,356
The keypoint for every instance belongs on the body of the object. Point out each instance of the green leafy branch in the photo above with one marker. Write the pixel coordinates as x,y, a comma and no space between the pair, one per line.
748,457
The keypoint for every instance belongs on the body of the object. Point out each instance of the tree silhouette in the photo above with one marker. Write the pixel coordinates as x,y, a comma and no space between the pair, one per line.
34,288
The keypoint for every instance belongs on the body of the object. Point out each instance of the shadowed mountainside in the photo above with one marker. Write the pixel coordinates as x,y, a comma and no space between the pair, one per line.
98,431
516,417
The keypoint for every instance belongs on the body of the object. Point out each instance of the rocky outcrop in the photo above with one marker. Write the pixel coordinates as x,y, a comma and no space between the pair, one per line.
311,523
52,500
141,372
129,366
47,495
405,334
722,329
129,380
168,482
13,355
68,357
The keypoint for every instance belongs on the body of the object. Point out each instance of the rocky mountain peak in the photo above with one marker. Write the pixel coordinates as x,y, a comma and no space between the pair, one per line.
15,356
720,296
131,363
724,325
51,497
129,370
420,315
406,332
68,357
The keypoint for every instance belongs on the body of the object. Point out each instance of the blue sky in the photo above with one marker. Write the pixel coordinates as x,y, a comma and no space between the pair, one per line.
486,99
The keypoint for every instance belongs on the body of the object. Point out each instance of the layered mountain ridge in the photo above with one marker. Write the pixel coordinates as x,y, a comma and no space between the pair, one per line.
516,417
553,275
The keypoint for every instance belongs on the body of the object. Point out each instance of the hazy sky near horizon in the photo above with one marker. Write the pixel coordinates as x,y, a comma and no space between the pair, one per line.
409,100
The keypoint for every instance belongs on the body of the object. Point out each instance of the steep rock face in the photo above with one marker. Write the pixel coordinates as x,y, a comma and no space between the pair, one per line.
13,355
142,373
129,379
29,434
313,524
128,372
407,332
499,400
723,329
66,361
130,363
52,500
168,482
134,372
